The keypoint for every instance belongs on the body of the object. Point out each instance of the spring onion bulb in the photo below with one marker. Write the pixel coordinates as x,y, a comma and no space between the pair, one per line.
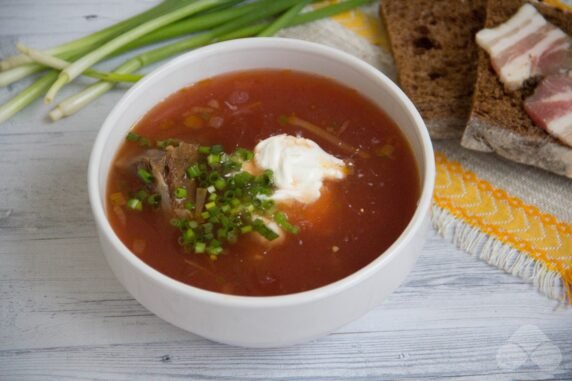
60,64
27,96
76,102
14,75
13,61
74,70
41,58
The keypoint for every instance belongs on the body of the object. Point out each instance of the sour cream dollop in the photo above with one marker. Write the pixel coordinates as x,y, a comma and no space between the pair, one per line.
300,167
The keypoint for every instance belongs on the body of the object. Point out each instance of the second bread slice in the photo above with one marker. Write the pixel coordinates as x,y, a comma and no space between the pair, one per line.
498,121
433,44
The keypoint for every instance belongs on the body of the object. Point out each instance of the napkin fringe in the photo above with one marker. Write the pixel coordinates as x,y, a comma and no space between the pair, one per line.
499,254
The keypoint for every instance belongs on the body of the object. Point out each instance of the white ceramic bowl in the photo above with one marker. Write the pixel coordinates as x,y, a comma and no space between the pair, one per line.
262,321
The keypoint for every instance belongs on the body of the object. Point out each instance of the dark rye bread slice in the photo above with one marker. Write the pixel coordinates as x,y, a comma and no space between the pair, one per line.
433,44
498,121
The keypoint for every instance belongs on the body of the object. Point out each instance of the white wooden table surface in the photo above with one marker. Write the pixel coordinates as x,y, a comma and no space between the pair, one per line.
64,316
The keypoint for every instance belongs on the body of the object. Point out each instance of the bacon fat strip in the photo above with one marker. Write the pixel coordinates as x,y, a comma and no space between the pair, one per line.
550,107
526,46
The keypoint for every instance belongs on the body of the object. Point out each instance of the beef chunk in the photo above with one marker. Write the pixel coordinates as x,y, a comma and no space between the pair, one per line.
169,173
177,160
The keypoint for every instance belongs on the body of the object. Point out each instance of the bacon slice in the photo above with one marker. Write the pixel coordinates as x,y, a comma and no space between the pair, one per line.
550,107
526,46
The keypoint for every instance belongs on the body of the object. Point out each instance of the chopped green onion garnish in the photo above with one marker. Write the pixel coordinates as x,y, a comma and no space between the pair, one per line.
194,171
145,175
282,221
217,148
220,184
232,236
132,137
228,202
214,176
141,195
136,138
135,204
154,199
181,193
267,177
144,142
214,250
162,144
245,154
200,247
242,178
188,235
213,159
208,227
264,230
177,223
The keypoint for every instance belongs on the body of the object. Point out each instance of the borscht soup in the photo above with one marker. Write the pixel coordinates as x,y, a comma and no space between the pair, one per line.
262,183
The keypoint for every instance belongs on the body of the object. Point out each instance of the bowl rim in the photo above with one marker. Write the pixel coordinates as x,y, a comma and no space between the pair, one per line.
414,225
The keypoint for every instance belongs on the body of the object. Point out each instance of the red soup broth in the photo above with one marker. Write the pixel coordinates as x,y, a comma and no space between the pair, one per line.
355,220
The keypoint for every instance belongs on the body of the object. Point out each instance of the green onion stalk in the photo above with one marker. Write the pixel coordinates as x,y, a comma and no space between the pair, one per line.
194,24
74,70
81,99
28,95
14,75
60,64
88,42
283,20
